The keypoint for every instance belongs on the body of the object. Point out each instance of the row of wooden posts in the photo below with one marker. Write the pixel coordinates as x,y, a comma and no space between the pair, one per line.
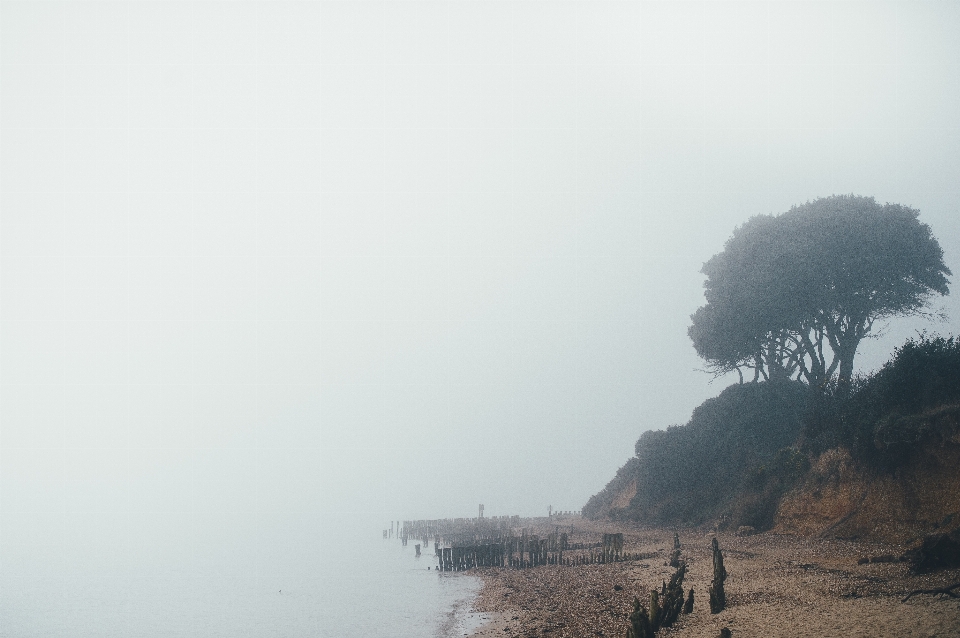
525,551
460,531
467,543
497,555
667,604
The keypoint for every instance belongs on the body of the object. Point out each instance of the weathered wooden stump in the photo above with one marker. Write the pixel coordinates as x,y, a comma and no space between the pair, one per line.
718,598
655,610
639,622
675,556
672,603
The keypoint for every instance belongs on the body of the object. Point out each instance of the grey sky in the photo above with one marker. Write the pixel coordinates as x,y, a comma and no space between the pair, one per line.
263,263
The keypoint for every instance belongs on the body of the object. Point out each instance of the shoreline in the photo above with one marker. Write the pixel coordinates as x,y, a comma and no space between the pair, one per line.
480,623
778,585
461,619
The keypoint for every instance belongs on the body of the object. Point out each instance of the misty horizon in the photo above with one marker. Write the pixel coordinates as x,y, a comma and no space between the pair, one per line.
266,265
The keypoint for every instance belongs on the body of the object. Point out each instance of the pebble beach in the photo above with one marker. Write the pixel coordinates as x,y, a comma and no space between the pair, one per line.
777,585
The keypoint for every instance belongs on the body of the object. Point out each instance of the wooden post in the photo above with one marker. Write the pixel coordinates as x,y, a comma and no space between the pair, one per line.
639,622
673,598
654,610
718,598
675,556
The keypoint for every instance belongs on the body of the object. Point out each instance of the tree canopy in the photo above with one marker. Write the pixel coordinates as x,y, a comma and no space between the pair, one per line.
795,293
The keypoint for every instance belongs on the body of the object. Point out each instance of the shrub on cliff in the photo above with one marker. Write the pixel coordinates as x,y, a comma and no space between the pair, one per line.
693,473
913,399
741,451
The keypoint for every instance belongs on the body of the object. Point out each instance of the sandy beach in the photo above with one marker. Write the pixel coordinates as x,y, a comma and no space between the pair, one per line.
778,585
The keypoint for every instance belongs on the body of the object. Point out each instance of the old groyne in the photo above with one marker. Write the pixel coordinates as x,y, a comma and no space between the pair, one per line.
511,541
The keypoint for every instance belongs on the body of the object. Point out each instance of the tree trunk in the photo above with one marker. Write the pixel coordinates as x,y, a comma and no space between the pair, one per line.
848,350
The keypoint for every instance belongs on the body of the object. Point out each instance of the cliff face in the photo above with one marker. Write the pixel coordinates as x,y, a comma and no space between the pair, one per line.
877,459
614,499
834,494
622,499
843,498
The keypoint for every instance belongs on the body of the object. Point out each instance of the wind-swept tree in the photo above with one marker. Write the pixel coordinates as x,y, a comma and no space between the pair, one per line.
796,293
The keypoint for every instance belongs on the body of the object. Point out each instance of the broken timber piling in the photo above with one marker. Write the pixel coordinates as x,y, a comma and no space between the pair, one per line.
509,541
718,598
675,556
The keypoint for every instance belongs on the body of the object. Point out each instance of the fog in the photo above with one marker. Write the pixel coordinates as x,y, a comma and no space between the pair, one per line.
267,265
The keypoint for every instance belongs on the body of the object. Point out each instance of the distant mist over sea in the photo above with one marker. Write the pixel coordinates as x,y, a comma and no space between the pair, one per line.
356,585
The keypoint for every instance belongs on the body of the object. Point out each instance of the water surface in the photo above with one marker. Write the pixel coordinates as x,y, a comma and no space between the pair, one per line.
363,586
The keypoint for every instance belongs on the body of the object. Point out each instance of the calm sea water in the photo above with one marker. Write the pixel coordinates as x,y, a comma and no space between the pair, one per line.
367,587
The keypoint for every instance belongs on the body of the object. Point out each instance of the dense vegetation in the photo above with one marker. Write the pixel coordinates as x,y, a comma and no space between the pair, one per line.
791,297
744,449
912,400
788,290
734,443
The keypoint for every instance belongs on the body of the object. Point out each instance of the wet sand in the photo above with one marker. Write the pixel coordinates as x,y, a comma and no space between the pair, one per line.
777,586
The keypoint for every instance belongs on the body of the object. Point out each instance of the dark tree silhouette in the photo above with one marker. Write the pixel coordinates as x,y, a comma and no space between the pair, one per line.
796,293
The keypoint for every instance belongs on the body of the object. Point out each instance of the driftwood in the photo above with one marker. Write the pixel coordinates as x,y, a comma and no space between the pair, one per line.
938,591
718,598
